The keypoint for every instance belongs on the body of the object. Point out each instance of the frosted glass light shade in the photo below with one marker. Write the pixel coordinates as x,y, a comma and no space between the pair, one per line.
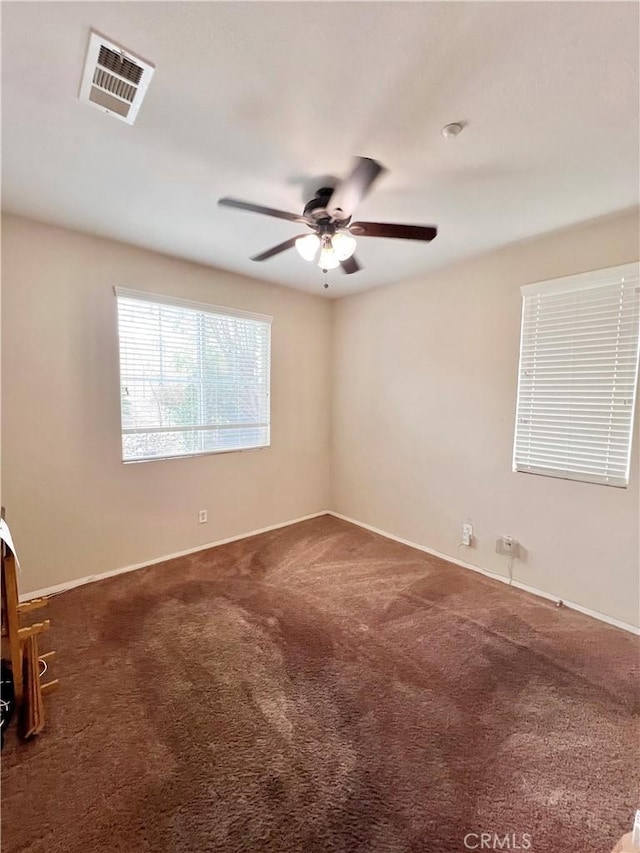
344,245
328,258
308,246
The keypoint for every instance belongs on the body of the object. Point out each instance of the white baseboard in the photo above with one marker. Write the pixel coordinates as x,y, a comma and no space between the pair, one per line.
62,587
633,629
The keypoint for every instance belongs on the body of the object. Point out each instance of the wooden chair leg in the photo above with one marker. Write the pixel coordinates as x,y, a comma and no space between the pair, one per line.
13,625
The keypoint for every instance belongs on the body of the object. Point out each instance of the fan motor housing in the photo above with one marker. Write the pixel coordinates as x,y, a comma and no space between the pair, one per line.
316,209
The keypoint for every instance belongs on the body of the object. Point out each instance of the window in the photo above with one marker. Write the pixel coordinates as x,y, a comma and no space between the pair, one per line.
578,375
193,378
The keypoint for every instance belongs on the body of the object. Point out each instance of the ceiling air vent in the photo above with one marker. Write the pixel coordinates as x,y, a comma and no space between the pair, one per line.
114,79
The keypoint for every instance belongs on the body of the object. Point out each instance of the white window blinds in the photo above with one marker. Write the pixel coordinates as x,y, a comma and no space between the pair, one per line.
578,376
194,378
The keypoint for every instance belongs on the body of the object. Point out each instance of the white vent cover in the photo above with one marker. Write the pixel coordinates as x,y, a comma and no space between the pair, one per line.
114,79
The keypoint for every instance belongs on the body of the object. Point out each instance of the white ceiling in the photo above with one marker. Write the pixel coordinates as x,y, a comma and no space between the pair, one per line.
255,100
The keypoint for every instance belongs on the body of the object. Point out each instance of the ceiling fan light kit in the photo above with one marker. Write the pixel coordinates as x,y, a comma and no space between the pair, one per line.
329,214
332,249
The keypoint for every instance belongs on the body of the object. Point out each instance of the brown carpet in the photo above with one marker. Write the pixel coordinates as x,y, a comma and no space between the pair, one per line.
318,689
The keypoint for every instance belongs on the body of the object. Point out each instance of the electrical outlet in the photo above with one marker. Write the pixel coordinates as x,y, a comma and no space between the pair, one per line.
467,533
202,516
508,545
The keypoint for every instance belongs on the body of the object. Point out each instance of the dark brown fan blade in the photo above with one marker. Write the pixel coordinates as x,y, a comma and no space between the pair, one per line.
350,192
281,247
350,265
268,211
389,229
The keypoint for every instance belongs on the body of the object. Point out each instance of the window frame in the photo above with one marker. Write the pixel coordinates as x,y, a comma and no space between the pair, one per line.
579,283
202,307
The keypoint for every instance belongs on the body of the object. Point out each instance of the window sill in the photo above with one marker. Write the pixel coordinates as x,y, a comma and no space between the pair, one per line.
195,455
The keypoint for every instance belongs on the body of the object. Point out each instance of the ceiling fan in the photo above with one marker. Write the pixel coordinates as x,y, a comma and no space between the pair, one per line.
332,241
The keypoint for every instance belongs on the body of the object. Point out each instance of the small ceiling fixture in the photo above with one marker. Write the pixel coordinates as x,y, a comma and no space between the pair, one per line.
450,131
328,214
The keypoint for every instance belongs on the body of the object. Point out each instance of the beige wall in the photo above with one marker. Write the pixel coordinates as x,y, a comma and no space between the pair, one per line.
425,377
73,507
424,383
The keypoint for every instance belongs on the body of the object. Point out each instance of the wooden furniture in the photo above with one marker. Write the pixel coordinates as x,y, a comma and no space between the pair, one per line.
20,647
